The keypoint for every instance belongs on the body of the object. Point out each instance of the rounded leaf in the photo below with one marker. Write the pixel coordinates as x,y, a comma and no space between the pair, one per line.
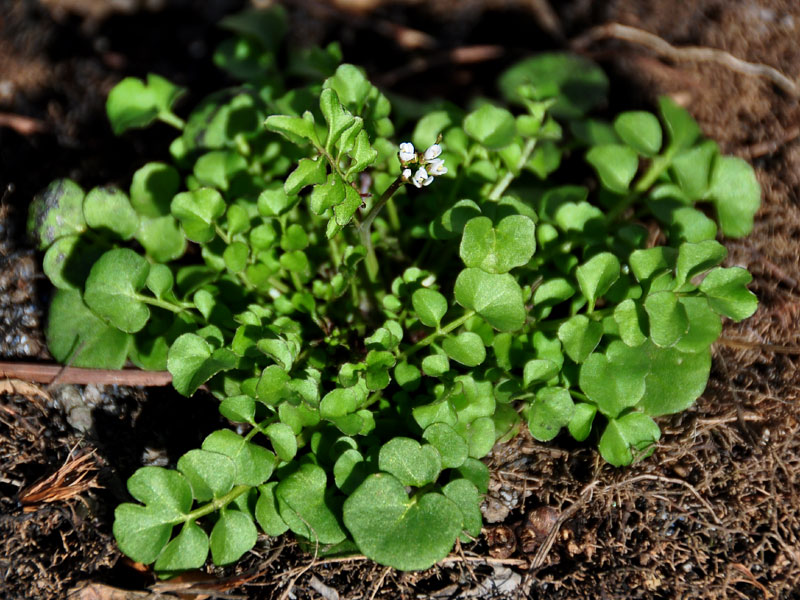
187,551
597,275
551,410
640,130
306,508
627,438
108,209
466,348
55,212
727,293
497,298
253,463
197,211
112,289
398,531
429,305
492,126
152,189
233,535
498,250
451,446
409,461
616,165
210,474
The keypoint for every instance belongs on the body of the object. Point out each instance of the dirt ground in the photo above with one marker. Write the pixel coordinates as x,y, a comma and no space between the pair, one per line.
714,513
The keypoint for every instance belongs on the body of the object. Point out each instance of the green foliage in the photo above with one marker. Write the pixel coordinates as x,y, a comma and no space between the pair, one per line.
287,265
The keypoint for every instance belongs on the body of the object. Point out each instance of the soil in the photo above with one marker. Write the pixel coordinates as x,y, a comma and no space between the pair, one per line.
714,513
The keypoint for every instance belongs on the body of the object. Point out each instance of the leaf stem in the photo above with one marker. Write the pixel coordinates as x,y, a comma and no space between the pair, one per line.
216,504
224,236
501,186
172,119
175,308
365,229
427,341
658,165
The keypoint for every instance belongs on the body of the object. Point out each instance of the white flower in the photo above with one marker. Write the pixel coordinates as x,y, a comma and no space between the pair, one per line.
421,178
436,167
406,174
407,152
432,152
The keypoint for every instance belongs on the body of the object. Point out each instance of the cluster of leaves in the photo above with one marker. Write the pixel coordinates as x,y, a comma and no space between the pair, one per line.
363,398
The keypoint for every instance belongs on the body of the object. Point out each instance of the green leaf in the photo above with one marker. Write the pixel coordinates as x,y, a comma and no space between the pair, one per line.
550,411
631,321
691,225
597,275
162,488
580,425
626,438
615,164
267,511
692,168
308,172
108,209
450,224
640,130
538,370
162,238
294,129
497,298
188,550
451,446
436,412
218,168
193,361
283,440
498,250
210,474
429,305
197,211
466,496
476,472
239,409
491,126
76,336
681,127
56,212
668,320
580,336
69,260
350,470
675,379
141,531
727,293
132,103
705,325
112,289
466,348
152,189
306,508
398,531
254,463
735,192
233,535
336,115
652,261
694,259
327,195
412,463
338,403
576,83
615,380
273,200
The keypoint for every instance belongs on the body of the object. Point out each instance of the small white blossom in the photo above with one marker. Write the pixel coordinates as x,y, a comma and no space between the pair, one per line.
406,174
421,178
432,152
436,167
407,152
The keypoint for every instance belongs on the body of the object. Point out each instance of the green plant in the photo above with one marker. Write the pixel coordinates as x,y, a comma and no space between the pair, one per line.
284,263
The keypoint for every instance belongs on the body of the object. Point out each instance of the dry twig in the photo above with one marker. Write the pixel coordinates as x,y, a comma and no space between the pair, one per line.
686,53
51,374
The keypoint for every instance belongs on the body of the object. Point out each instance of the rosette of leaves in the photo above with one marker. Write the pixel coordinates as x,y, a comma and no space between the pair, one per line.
369,344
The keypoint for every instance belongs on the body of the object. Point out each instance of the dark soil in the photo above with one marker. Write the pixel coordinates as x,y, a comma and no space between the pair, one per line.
714,513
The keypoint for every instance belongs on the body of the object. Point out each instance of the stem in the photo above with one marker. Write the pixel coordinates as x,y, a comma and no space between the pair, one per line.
438,333
364,230
278,285
222,234
175,308
172,119
215,504
657,167
579,396
501,186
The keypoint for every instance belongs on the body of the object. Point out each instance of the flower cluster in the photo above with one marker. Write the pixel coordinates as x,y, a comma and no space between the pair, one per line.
430,164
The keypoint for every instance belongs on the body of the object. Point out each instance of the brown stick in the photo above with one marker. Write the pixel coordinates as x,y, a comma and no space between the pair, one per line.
42,373
690,53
